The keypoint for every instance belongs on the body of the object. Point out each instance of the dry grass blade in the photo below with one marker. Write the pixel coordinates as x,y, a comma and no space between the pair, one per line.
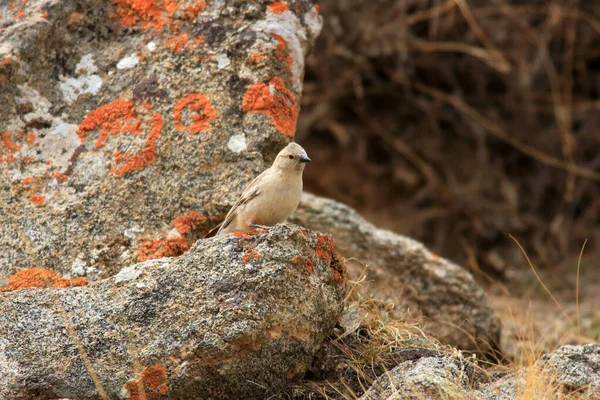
497,132
80,349
577,290
538,277
502,63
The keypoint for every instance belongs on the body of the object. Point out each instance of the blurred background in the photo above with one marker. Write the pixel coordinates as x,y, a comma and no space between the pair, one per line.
459,123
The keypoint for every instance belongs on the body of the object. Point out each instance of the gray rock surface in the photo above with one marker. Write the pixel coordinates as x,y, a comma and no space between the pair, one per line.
425,378
403,271
573,370
235,317
119,116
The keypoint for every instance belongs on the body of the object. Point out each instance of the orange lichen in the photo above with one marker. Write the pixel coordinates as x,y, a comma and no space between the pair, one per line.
278,7
119,117
256,57
325,248
39,278
59,177
435,257
200,40
153,381
145,156
200,121
192,11
170,247
318,8
310,265
280,107
28,179
251,254
280,51
30,138
45,14
189,222
281,46
6,60
177,42
254,232
111,119
8,148
150,14
38,199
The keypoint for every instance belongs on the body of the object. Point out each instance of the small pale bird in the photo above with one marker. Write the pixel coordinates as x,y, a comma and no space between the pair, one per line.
272,196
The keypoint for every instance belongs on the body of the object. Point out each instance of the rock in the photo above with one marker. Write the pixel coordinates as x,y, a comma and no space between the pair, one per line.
576,368
404,272
118,118
572,370
424,378
235,317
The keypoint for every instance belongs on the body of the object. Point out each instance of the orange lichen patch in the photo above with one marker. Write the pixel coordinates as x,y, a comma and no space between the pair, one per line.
310,265
189,222
200,121
192,11
20,14
38,199
111,118
8,148
39,278
280,51
281,107
45,14
28,179
150,14
435,257
147,105
255,232
325,248
200,40
278,7
145,156
153,381
318,8
59,177
251,254
6,60
177,42
338,268
256,57
119,117
281,46
30,138
170,247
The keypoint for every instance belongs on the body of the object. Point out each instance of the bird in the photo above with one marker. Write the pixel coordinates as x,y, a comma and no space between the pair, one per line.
272,196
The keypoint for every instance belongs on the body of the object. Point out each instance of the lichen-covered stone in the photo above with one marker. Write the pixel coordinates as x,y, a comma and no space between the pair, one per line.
119,116
403,271
235,317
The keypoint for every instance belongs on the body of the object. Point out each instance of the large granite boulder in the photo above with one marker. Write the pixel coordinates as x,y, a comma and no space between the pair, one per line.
236,317
125,125
402,271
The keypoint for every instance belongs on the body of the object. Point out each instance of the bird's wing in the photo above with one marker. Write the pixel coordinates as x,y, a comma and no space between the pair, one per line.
251,192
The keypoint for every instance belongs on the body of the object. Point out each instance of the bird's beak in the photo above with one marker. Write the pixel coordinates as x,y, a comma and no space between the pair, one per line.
304,159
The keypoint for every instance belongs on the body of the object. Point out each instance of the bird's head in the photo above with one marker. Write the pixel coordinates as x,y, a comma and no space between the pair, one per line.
292,157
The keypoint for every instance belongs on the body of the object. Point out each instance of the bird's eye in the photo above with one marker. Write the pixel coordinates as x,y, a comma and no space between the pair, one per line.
291,157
